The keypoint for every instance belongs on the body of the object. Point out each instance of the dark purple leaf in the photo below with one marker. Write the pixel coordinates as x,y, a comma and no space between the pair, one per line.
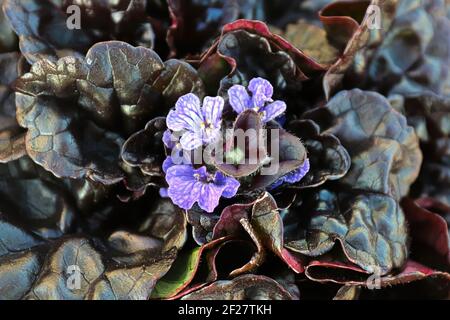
384,150
290,155
429,114
262,222
246,287
8,40
204,19
328,159
11,135
42,30
430,244
117,88
144,149
254,152
414,53
124,266
370,228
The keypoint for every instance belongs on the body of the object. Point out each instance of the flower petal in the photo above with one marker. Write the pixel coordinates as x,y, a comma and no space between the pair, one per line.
209,196
211,135
163,193
169,139
231,188
238,98
212,110
167,164
230,183
187,114
276,184
202,172
262,91
293,176
273,110
191,140
297,174
184,189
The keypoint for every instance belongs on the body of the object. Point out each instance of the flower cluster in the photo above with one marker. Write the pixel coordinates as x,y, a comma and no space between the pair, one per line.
199,125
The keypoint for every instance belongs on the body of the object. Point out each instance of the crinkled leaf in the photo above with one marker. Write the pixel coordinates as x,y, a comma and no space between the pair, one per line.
349,26
54,141
429,114
415,51
114,90
8,39
312,40
42,30
384,150
48,29
328,159
124,20
251,50
144,149
246,287
125,266
11,135
202,225
370,227
40,203
341,20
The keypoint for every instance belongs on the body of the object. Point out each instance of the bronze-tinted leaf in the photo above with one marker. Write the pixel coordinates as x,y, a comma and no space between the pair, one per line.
144,149
371,229
204,19
124,266
247,287
328,159
384,150
414,53
113,91
247,145
42,30
12,145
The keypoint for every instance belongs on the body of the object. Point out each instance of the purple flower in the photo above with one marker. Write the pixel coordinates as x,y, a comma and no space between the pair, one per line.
260,101
293,176
177,154
188,185
200,124
170,140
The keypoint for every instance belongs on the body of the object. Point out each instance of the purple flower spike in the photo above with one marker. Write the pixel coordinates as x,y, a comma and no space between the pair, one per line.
260,101
188,185
200,125
293,176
